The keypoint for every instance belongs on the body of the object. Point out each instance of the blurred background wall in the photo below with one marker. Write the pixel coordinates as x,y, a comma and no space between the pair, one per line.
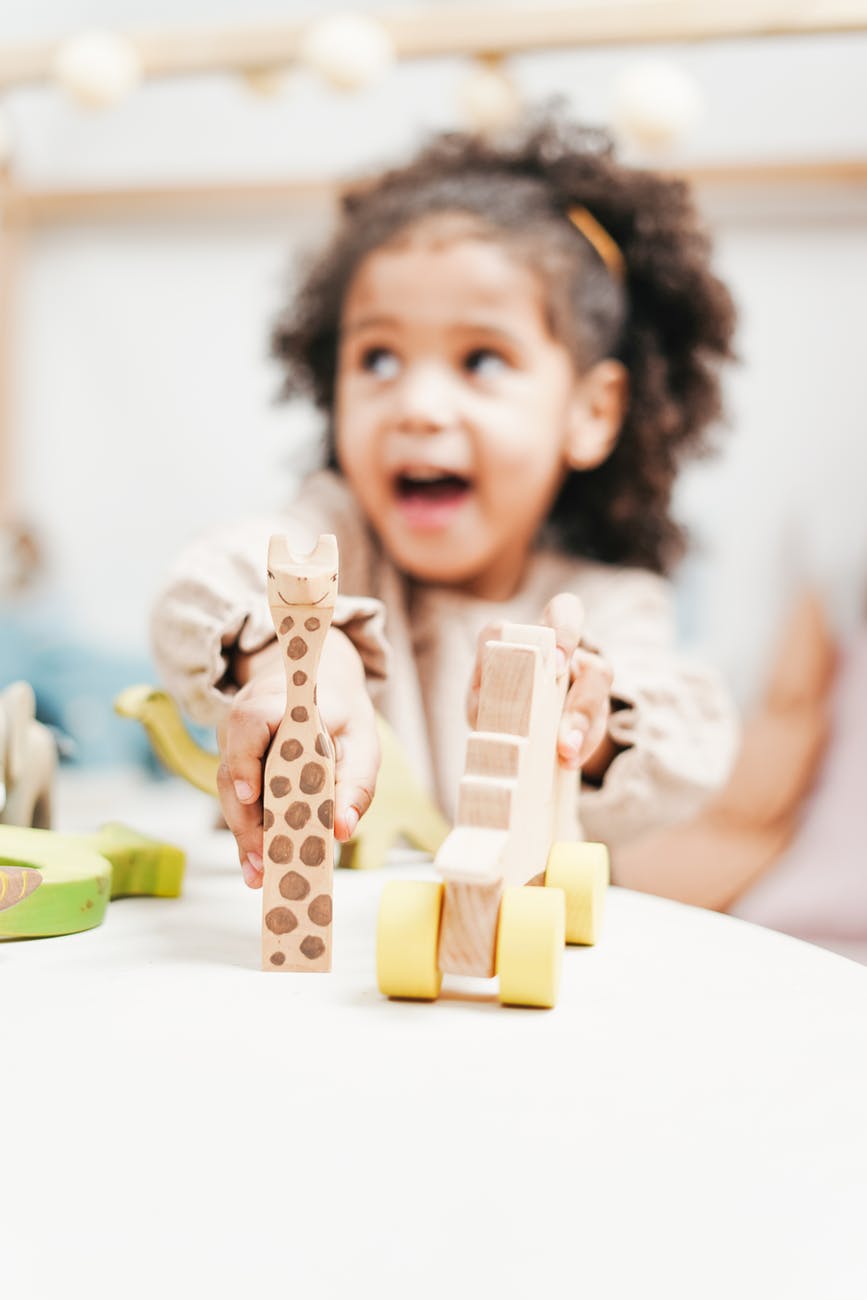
141,388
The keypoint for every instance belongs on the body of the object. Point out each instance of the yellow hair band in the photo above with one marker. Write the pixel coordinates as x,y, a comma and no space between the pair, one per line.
600,240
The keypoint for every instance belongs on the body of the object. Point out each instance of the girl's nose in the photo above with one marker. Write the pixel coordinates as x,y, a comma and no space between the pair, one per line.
425,399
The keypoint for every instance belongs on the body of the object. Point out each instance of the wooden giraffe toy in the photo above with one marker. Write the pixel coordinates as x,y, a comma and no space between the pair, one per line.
516,826
299,770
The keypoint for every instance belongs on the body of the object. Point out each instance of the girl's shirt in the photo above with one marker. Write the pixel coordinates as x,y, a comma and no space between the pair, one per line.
418,643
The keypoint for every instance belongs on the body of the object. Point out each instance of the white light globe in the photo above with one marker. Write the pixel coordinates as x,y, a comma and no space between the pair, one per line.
488,99
97,68
656,104
348,50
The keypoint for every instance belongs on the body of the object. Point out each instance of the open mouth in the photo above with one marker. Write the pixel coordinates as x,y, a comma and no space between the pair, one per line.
431,487
430,499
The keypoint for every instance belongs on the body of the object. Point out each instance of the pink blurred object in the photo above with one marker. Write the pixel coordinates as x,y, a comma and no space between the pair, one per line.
818,888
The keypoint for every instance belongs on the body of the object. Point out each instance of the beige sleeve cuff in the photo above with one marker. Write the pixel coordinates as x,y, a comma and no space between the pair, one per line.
679,732
197,674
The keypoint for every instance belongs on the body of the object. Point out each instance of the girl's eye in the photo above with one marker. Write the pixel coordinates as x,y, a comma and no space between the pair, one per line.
485,362
380,362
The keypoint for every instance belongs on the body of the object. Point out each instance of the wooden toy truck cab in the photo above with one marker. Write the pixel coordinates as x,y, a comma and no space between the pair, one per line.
516,825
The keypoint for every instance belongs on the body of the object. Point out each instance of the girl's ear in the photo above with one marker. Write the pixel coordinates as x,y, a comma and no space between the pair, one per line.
596,413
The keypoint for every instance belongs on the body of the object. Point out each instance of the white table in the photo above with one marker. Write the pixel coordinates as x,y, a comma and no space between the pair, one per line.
688,1122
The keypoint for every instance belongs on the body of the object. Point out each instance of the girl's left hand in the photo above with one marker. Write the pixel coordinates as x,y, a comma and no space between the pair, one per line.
583,739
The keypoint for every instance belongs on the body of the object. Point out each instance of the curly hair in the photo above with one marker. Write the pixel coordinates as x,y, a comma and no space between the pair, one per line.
668,318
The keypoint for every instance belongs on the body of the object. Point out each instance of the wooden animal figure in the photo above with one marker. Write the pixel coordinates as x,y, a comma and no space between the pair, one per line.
28,759
298,790
53,883
514,802
172,743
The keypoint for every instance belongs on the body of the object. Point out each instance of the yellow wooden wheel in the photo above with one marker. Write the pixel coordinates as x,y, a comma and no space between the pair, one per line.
530,939
407,937
581,871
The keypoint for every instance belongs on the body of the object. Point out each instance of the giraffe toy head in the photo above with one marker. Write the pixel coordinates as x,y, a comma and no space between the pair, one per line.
301,579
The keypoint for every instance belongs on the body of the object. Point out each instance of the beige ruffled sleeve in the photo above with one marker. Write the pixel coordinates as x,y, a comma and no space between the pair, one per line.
672,715
214,599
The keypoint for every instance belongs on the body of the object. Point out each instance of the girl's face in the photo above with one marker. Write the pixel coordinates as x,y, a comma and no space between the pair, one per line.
456,409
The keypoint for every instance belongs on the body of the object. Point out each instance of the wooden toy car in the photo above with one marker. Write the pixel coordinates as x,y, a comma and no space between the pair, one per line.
516,826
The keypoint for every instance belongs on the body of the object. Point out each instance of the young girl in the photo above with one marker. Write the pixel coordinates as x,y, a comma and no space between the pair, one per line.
514,347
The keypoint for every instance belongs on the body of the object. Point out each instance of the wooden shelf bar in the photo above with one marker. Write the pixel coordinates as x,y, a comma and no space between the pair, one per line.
35,207
471,29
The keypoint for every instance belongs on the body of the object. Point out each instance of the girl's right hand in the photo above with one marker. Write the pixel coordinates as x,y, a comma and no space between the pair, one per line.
257,710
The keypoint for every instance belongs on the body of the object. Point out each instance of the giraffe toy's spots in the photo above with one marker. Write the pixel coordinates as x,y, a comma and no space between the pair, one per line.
313,946
279,786
299,678
325,813
319,910
311,624
287,625
291,749
299,714
280,850
294,886
312,778
323,745
281,920
298,815
313,851
278,958
267,819
297,648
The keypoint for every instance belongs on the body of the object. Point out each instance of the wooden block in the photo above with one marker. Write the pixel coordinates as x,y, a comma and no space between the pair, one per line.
468,932
491,755
472,854
299,771
507,688
485,801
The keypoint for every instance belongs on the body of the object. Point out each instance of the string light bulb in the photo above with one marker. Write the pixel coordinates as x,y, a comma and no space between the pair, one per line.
656,104
97,68
349,51
488,98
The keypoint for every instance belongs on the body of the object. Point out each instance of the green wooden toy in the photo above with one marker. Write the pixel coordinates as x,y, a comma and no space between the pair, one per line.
54,883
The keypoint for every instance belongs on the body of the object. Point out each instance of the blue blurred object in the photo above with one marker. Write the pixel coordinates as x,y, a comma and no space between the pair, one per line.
75,685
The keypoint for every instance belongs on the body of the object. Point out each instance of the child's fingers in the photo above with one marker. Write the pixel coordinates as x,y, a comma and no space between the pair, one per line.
244,820
586,709
357,758
244,737
565,614
490,632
